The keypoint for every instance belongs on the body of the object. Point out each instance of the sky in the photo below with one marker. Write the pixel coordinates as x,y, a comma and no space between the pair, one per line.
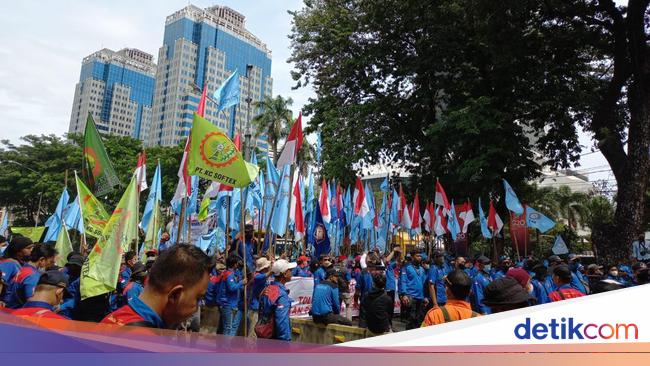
42,44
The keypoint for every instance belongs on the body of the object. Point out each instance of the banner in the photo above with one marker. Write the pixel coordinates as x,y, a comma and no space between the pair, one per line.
96,168
519,232
461,244
92,211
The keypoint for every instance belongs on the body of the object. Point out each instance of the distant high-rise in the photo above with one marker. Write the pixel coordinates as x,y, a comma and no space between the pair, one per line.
205,46
117,89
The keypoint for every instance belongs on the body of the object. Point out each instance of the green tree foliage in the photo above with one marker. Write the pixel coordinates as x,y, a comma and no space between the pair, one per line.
464,90
274,120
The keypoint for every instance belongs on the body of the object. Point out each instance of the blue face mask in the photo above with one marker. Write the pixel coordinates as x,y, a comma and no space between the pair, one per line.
487,267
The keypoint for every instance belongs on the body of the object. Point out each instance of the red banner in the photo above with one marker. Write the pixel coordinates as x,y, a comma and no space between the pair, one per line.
519,232
461,244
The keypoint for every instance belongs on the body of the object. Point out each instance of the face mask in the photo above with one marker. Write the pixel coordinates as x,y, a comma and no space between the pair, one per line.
487,267
614,273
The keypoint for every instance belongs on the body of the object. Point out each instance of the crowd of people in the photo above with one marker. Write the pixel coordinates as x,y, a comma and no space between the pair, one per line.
166,288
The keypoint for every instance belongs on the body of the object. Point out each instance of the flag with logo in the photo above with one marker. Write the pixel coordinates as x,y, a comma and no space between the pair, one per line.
228,93
484,223
92,211
215,157
512,202
97,169
538,220
100,271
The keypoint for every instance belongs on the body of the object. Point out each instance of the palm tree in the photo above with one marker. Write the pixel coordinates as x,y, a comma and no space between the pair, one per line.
273,121
570,205
305,157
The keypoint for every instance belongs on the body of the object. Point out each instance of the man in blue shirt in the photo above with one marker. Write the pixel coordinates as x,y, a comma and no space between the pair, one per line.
541,290
481,281
275,301
578,280
234,281
319,274
435,279
411,291
504,265
72,299
302,270
392,270
23,285
259,282
326,304
16,253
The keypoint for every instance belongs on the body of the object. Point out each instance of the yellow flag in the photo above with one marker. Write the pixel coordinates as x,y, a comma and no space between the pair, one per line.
63,246
100,272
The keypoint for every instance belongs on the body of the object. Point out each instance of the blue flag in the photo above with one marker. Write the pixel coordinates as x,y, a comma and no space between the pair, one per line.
394,210
383,224
5,223
319,146
321,239
55,222
385,185
192,203
368,220
281,210
484,226
452,222
155,195
208,242
270,185
235,210
73,219
560,246
310,193
228,93
512,202
538,220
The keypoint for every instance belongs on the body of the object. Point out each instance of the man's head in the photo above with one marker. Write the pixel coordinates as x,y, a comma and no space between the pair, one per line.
554,260
637,267
164,237
643,276
416,258
522,277
282,270
139,272
51,288
460,262
484,263
332,275
540,271
19,248
303,260
233,261
505,262
74,264
439,257
262,265
325,261
248,232
379,280
178,279
594,270
505,294
458,285
43,255
130,259
561,275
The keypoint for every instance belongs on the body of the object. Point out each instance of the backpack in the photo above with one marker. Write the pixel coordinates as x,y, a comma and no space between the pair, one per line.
265,326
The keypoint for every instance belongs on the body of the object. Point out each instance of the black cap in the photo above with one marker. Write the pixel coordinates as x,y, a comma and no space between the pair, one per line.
76,260
554,258
138,268
505,291
563,272
17,244
331,272
53,278
483,260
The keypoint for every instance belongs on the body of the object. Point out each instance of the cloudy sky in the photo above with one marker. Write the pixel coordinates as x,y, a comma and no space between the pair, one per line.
42,44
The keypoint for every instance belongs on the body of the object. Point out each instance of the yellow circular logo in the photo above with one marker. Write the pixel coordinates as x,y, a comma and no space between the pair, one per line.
217,150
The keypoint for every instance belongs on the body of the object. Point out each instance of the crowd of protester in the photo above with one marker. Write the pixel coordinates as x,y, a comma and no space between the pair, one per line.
166,289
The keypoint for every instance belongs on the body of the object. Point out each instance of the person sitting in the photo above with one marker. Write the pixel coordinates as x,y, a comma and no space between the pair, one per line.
177,281
326,304
457,287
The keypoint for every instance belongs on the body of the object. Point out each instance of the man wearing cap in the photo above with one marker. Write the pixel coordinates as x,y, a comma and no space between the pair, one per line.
24,283
47,296
326,304
504,265
16,253
481,281
562,278
302,270
135,286
540,288
435,279
319,274
130,259
578,280
213,293
505,294
411,290
73,297
176,283
457,286
275,301
260,280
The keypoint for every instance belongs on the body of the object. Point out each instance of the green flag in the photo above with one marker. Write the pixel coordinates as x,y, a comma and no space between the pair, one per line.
213,156
203,209
152,237
63,246
34,233
92,211
96,168
100,272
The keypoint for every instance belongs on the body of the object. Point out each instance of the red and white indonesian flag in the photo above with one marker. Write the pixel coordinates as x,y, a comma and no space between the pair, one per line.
141,172
324,202
361,207
429,217
494,221
441,222
406,218
441,198
295,213
466,215
416,219
293,144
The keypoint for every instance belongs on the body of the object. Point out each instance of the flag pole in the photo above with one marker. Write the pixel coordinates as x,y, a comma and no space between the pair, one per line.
514,237
84,244
286,233
181,220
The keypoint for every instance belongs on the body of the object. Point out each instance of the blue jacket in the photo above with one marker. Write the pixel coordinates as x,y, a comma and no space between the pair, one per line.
481,280
275,298
412,281
72,301
125,275
301,272
230,289
211,297
498,274
22,287
250,263
540,291
391,284
549,284
9,267
436,277
364,284
576,282
132,290
259,283
319,275
326,299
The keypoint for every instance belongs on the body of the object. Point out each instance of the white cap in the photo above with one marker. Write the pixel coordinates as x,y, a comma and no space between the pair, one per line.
281,266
